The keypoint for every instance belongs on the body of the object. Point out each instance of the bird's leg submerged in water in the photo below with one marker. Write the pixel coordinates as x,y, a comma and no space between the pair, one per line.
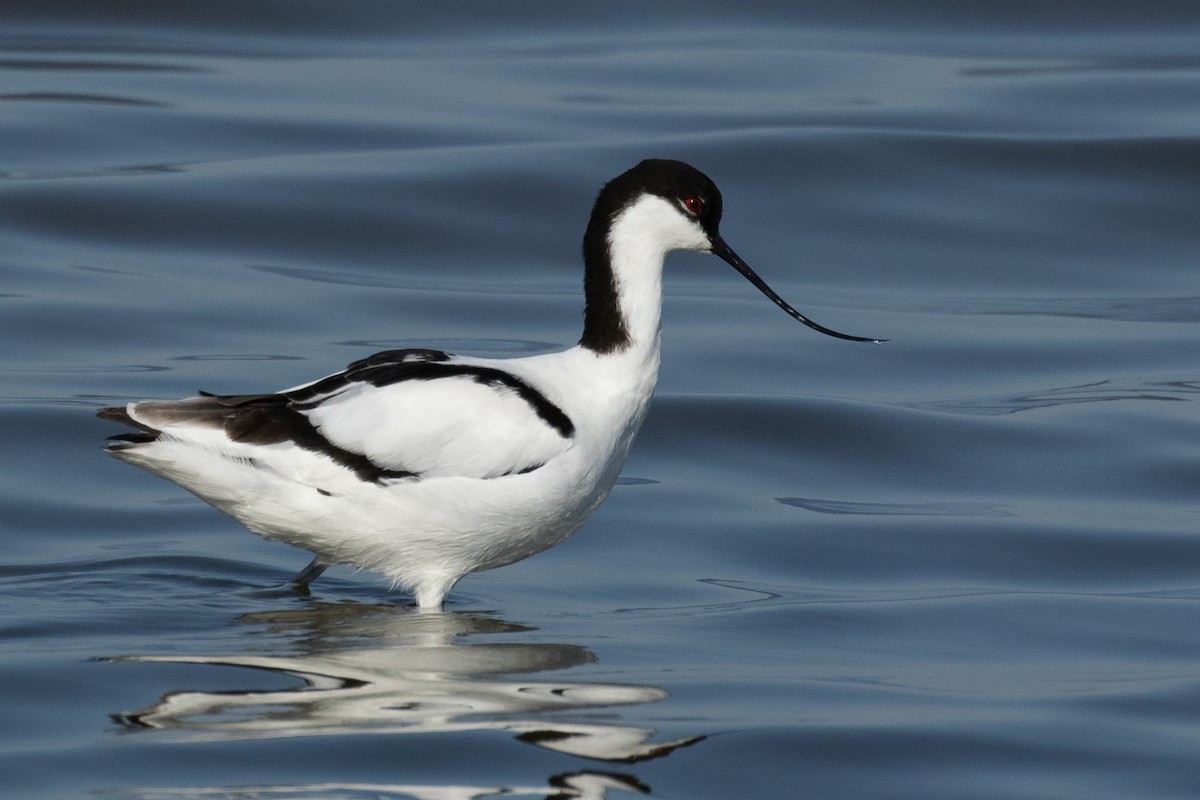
310,574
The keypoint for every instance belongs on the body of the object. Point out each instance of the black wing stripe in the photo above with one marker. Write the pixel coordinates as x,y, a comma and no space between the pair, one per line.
548,412
396,366
270,419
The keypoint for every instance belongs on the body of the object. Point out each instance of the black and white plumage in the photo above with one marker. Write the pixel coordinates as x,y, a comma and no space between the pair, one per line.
427,466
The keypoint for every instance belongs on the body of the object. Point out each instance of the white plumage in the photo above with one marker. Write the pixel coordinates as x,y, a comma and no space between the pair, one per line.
427,466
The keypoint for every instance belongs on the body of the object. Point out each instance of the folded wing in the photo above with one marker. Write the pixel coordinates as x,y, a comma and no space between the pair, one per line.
400,414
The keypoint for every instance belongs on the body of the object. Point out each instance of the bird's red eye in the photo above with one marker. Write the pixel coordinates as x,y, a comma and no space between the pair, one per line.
694,205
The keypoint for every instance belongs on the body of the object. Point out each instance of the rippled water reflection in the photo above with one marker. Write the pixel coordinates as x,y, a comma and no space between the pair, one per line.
383,669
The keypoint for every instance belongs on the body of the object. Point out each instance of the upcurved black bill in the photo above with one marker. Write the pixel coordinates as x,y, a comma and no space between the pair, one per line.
719,248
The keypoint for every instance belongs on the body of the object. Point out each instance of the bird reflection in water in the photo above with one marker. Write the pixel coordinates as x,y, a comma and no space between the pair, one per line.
384,669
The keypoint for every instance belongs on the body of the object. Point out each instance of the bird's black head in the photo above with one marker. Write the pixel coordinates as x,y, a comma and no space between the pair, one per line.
680,184
697,198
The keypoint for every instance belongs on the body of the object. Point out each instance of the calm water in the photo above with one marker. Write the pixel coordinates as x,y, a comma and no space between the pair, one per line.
963,564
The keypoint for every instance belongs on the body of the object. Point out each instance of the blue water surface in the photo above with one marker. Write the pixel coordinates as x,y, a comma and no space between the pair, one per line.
962,564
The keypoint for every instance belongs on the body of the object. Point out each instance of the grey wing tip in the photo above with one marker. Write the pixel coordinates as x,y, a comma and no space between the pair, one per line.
124,441
116,414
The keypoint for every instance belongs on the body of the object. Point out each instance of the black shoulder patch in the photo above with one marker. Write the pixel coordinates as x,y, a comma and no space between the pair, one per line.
387,358
411,355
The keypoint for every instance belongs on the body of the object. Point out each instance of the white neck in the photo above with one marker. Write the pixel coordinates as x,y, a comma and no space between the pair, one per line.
638,241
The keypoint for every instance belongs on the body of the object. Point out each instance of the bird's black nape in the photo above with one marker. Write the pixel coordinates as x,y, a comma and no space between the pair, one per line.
603,327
